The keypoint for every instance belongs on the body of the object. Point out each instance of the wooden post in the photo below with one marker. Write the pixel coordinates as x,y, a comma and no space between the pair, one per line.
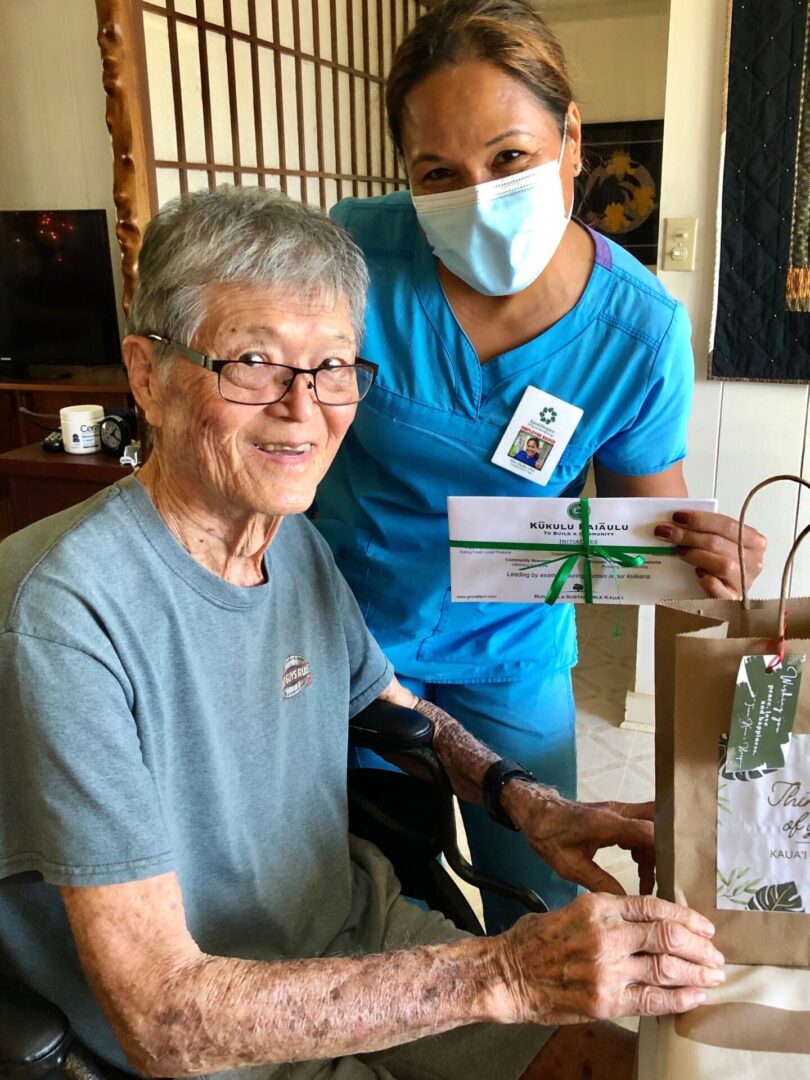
123,55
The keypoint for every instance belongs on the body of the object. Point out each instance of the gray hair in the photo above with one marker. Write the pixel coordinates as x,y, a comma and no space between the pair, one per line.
244,235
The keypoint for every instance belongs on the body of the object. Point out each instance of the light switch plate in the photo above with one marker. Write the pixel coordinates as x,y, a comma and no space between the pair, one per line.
680,243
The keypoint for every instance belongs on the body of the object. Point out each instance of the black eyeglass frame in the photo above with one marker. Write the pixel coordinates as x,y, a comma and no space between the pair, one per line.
217,366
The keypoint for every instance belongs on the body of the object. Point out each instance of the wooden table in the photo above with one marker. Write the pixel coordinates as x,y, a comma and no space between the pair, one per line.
42,483
99,386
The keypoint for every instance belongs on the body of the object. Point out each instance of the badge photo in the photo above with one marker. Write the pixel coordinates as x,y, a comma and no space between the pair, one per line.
536,436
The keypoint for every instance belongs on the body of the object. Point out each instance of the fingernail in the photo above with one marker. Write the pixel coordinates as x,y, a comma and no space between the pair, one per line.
681,549
716,977
700,572
680,517
663,531
706,927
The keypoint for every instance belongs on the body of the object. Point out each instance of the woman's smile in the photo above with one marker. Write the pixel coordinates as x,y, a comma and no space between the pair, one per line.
287,453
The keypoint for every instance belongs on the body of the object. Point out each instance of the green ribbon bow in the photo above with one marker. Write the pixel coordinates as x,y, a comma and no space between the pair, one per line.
570,554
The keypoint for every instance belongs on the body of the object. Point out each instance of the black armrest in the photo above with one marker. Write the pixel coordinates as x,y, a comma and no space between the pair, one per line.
388,728
35,1035
395,729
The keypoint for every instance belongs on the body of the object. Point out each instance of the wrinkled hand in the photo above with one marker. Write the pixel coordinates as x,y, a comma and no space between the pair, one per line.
602,957
709,543
567,835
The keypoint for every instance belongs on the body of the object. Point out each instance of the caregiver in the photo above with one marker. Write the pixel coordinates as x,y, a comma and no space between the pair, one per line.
481,286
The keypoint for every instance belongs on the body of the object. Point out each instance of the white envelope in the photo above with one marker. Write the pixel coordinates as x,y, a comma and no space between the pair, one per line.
499,550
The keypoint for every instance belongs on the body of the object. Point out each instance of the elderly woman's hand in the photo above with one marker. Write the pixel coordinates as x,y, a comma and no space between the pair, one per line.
709,543
567,835
603,957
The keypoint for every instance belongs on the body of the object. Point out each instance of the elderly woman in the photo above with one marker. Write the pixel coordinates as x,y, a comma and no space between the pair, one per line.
179,658
482,285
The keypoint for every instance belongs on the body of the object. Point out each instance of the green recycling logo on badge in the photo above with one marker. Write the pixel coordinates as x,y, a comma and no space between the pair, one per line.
548,415
574,510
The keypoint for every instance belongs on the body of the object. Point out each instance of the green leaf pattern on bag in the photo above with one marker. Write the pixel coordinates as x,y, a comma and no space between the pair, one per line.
723,806
784,897
736,887
763,834
745,774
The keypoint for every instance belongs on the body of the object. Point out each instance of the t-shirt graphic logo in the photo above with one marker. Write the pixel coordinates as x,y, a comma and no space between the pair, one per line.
296,676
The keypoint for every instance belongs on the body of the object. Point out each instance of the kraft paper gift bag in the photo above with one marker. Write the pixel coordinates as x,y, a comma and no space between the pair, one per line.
734,843
756,1026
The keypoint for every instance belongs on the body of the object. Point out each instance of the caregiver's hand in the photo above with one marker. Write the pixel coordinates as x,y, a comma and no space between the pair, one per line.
709,543
567,835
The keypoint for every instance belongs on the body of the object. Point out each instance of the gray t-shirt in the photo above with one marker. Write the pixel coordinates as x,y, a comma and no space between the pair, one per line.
155,718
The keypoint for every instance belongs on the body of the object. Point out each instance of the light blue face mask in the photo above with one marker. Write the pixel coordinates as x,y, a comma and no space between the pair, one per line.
498,236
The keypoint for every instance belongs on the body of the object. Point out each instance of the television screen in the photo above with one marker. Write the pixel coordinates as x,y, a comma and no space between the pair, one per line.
57,300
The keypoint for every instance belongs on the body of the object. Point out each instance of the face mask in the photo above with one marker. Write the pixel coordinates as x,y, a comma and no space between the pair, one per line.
498,236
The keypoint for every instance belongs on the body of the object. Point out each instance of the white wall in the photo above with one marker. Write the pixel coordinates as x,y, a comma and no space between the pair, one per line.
55,151
631,59
617,55
740,432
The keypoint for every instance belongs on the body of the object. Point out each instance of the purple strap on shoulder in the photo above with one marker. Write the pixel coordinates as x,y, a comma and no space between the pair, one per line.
603,256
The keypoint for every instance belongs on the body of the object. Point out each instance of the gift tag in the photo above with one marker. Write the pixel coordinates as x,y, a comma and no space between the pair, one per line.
763,711
537,434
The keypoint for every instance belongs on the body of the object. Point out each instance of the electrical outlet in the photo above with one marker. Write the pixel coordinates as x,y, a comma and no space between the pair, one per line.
680,243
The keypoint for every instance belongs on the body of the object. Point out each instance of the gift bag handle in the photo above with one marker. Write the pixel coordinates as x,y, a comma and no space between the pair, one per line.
746,600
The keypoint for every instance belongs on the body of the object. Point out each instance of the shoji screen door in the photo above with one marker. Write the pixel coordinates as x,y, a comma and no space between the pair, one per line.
279,93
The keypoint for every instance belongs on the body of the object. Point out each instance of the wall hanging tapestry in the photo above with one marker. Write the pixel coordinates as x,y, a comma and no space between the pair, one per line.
762,299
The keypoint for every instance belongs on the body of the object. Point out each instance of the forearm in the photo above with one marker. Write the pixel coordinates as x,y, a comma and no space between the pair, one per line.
220,1013
464,758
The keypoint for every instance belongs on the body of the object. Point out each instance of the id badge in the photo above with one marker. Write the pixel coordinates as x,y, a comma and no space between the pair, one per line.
540,429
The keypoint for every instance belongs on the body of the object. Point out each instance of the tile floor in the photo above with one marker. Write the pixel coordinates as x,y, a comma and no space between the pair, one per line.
613,763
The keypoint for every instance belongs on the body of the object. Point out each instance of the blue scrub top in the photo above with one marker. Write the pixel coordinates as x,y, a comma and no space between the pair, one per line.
523,456
435,416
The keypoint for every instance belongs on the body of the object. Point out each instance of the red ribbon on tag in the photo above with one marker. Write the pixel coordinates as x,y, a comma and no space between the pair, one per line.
778,646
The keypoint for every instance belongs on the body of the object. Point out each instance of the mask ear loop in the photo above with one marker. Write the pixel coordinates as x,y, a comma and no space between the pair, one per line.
570,213
564,141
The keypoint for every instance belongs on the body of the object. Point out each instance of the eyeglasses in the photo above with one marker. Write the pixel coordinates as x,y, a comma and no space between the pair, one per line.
250,380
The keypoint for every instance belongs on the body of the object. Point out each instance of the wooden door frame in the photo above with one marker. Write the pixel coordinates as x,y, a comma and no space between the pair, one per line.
123,55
